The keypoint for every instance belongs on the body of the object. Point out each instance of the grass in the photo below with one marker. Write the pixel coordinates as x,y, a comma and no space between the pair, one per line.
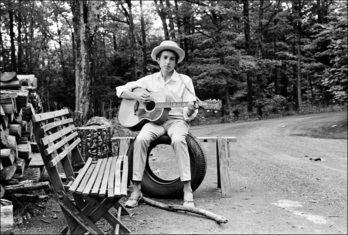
334,127
334,130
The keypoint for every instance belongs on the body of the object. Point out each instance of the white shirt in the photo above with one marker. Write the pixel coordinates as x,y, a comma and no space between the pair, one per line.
175,89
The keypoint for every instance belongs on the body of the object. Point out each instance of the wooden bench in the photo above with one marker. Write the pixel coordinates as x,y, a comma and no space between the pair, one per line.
223,159
99,184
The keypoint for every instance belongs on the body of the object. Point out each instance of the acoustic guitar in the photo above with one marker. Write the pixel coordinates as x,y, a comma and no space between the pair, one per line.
134,114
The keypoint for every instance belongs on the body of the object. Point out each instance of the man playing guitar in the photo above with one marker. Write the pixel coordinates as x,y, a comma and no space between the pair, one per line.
176,88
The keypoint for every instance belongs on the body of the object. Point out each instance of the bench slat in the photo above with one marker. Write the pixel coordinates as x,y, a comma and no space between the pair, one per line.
96,186
49,115
79,177
91,181
59,134
55,160
58,145
85,179
103,187
118,175
51,125
124,181
111,180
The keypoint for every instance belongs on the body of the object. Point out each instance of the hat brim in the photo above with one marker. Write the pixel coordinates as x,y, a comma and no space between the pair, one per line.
160,48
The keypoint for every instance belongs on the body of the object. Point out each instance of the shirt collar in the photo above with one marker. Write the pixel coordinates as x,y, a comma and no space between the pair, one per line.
175,76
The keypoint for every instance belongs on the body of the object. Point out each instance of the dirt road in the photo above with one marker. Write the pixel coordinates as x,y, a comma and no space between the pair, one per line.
276,187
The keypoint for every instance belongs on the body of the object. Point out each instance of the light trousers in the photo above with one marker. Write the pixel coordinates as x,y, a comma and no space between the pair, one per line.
177,130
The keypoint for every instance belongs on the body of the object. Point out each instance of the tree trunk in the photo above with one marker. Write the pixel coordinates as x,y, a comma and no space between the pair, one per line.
247,49
178,22
12,39
132,40
171,21
297,27
162,15
260,40
85,17
19,39
143,34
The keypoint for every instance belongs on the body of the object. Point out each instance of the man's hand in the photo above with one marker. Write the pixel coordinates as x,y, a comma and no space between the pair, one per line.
192,106
142,96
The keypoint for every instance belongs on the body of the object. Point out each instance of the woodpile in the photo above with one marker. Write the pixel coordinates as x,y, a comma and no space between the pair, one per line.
18,102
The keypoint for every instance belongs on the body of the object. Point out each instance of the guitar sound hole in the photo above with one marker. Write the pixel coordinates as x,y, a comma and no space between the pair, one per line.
150,106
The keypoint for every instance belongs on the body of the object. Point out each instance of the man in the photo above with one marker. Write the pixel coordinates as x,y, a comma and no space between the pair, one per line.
176,88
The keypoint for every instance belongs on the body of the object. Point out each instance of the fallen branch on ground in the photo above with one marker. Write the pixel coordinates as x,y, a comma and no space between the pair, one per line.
219,219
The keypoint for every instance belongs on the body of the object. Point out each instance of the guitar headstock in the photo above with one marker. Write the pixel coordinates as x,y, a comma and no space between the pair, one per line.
210,104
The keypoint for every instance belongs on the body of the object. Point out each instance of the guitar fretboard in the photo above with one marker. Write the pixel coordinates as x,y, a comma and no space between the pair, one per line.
163,105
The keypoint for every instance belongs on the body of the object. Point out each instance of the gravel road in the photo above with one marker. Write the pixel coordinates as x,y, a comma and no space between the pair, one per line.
277,188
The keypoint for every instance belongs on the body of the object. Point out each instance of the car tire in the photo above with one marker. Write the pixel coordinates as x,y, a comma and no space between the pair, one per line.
154,186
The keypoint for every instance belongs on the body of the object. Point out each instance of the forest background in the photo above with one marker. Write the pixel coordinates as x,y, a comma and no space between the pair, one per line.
259,57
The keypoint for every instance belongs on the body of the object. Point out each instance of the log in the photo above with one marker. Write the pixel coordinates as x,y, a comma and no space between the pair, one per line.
23,140
29,197
8,172
217,218
20,166
4,121
27,80
95,141
28,112
7,157
10,85
36,160
6,222
22,98
34,147
24,125
1,166
2,112
2,191
9,189
9,141
15,129
18,117
8,76
24,151
8,102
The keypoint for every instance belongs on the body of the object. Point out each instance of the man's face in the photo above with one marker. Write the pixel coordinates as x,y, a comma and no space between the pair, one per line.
167,61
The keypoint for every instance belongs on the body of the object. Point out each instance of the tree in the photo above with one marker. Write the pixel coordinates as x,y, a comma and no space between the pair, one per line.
85,18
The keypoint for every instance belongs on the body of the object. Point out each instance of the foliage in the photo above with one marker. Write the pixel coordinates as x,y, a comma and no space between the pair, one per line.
212,33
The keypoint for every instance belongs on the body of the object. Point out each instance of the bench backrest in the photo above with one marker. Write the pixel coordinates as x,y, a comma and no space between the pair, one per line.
57,140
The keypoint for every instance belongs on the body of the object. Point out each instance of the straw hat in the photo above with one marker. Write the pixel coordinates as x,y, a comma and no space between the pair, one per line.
168,45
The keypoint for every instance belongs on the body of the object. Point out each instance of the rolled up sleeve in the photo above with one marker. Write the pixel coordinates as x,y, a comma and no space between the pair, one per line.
130,86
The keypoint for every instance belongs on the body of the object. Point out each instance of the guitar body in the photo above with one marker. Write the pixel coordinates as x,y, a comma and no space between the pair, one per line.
134,114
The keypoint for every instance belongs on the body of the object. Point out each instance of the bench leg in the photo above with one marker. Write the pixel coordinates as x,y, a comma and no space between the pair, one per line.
218,164
79,222
96,210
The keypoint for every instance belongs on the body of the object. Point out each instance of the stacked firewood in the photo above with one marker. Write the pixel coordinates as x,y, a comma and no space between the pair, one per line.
18,102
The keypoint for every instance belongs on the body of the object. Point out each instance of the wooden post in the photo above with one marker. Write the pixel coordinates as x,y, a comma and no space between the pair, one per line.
223,162
225,166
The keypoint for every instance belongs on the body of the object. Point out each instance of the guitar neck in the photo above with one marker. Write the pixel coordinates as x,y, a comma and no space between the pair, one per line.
163,105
